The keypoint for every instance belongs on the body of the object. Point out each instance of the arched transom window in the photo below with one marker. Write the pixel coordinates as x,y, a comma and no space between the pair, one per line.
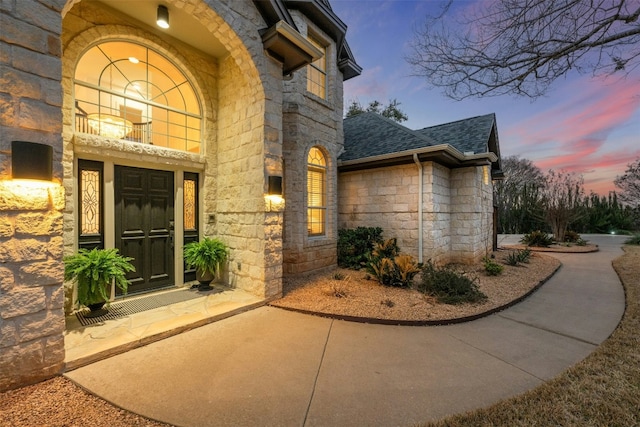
125,90
316,192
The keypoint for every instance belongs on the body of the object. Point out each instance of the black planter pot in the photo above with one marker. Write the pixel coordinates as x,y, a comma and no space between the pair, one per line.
205,280
96,310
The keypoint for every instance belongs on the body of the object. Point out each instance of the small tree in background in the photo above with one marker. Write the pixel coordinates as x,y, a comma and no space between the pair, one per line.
562,198
391,111
517,196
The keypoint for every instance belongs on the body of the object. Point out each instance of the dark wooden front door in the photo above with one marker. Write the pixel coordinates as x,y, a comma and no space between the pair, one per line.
144,226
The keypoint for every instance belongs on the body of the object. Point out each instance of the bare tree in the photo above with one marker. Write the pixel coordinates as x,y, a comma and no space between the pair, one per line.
521,46
629,184
562,198
518,196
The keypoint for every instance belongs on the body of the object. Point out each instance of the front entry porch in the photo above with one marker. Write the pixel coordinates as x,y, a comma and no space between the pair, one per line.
88,344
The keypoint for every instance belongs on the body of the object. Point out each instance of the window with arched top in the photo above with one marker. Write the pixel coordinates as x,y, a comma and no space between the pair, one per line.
125,90
316,192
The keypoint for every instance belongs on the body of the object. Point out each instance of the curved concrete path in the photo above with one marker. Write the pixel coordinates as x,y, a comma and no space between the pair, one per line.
270,367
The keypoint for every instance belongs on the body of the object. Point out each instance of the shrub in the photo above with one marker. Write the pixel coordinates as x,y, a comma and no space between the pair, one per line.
513,258
581,242
524,255
389,267
388,303
571,237
355,245
448,285
537,238
338,276
491,267
635,240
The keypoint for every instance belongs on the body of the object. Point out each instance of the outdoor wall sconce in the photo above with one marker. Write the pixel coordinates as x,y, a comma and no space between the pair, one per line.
32,161
163,17
275,185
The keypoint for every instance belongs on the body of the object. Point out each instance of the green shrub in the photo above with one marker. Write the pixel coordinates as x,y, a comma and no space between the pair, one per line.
389,267
491,267
338,276
355,245
635,240
448,285
513,258
537,238
524,255
571,237
581,242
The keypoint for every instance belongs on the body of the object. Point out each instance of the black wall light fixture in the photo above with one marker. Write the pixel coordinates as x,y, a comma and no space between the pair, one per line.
30,160
275,185
163,17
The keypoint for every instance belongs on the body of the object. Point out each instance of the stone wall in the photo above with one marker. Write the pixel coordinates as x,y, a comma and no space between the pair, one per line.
310,121
384,197
471,214
457,209
31,272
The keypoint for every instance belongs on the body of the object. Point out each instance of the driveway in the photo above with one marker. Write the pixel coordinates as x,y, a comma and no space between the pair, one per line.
270,367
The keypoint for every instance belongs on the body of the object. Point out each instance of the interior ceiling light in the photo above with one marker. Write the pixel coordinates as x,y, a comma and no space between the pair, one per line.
163,17
133,60
109,126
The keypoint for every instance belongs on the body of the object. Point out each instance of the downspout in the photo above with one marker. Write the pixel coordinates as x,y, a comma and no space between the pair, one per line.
420,201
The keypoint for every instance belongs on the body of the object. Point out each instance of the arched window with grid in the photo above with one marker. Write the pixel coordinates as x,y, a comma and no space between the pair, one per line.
316,192
125,90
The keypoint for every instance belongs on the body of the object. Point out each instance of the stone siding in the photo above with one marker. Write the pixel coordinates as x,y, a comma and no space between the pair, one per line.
31,224
456,211
310,121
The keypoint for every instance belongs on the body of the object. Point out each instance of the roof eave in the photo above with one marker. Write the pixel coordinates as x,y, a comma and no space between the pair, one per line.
443,154
285,44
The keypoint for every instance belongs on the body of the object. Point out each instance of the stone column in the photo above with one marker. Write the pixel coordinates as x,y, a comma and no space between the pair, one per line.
31,268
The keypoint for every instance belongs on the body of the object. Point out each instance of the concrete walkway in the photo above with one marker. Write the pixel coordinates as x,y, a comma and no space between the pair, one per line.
270,367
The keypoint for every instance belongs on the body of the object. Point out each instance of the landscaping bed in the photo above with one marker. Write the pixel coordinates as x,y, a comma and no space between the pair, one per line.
357,298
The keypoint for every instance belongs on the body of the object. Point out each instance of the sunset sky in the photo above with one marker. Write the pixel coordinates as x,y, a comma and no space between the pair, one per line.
585,125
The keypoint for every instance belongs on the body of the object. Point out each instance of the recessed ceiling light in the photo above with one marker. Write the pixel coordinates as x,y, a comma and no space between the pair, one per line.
163,17
133,59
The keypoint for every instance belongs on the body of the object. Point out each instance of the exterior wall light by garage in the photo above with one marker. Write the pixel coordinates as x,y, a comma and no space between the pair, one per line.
31,161
163,17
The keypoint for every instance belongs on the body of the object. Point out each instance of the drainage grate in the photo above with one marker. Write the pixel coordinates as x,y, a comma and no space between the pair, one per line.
120,309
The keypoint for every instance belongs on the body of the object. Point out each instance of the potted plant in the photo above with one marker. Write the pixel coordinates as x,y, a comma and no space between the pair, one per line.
94,270
206,256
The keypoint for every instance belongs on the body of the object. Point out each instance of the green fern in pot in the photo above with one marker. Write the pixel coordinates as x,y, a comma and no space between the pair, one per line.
206,256
94,271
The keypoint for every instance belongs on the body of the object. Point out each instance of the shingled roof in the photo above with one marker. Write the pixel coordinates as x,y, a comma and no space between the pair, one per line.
370,134
371,140
467,135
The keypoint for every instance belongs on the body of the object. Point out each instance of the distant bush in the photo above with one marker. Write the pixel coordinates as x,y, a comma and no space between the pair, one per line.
571,237
355,245
448,285
635,240
537,238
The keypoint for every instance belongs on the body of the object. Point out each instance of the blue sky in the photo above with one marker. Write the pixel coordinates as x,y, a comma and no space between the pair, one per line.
584,125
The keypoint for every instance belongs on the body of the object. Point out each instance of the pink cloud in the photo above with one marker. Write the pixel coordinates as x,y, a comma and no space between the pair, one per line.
577,135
